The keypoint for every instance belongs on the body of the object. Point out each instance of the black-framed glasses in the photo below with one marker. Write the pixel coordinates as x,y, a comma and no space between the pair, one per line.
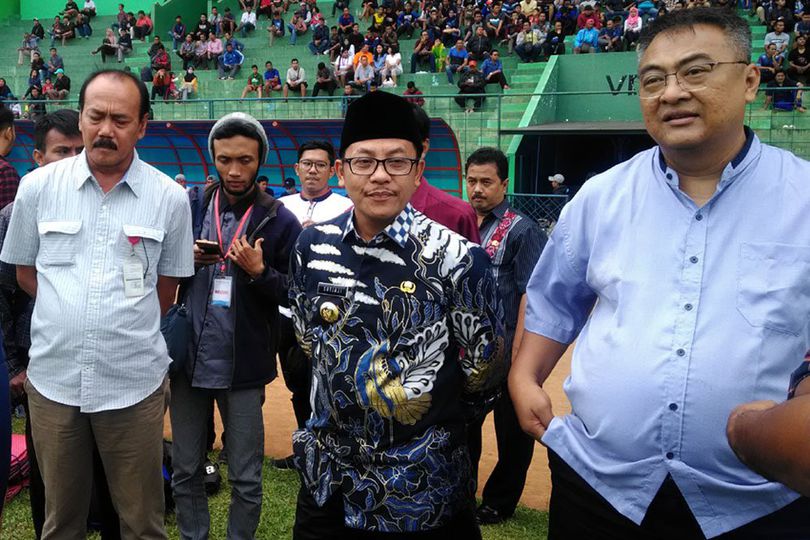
307,164
396,166
691,78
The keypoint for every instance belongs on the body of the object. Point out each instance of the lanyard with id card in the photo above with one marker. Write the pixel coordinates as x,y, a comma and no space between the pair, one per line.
222,292
133,271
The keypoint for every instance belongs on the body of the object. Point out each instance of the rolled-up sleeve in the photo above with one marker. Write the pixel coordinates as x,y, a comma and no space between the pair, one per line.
558,296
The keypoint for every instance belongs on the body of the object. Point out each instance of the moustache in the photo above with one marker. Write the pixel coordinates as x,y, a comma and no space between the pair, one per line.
105,143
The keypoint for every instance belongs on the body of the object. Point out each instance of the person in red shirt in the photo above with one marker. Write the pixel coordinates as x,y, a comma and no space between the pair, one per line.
412,90
441,207
588,12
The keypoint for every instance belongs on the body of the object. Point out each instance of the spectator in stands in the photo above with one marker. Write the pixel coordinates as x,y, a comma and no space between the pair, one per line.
276,27
228,23
406,21
347,98
108,47
38,64
5,93
781,12
632,29
769,63
124,44
471,81
356,39
61,86
799,61
588,13
161,84
479,46
587,39
143,26
161,60
89,9
201,54
265,8
379,61
802,28
34,80
410,91
272,79
344,68
60,30
71,10
189,85
392,66
289,186
324,80
439,52
492,69
154,47
82,26
255,83
178,32
247,22
36,104
778,37
320,38
129,25
186,51
529,43
228,38
29,45
335,43
120,18
365,52
230,63
363,75
781,96
9,178
494,24
610,37
555,41
390,38
203,28
214,49
298,25
422,53
215,20
296,79
457,60
345,22
38,30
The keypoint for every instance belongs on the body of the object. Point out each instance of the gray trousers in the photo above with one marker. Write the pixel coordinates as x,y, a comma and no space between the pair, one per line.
241,412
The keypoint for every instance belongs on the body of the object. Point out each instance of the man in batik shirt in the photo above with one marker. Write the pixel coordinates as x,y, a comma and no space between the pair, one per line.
403,324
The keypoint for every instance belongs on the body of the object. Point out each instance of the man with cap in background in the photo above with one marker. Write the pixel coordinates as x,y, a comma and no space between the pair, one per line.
241,260
557,185
289,186
379,305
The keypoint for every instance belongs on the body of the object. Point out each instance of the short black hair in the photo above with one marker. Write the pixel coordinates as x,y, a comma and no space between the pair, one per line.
736,29
6,117
486,155
326,146
262,178
65,121
122,75
422,121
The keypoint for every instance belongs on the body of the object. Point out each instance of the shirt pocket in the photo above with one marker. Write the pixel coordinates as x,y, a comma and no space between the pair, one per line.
58,242
148,247
773,286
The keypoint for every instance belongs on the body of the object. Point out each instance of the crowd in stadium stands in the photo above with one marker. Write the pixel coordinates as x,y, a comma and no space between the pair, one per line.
464,40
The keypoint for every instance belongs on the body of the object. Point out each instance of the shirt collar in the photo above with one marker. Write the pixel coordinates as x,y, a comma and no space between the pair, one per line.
398,230
496,214
131,177
735,163
318,199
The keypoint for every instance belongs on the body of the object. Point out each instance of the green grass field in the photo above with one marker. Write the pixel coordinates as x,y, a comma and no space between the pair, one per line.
278,512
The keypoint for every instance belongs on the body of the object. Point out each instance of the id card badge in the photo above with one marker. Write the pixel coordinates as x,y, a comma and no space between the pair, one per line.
221,296
133,278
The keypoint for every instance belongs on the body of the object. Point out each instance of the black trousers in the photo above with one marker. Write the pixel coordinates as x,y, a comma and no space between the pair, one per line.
578,511
102,512
515,449
327,523
297,371
328,87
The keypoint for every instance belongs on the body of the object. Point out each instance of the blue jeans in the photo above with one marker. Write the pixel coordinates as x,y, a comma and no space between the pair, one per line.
241,412
450,70
318,49
247,27
293,34
175,40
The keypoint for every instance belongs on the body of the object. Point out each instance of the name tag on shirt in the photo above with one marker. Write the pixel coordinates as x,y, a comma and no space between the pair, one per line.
133,279
332,289
221,296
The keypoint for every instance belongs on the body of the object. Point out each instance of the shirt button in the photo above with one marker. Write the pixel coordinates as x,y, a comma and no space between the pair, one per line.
670,455
673,406
693,259
680,352
669,176
688,307
699,217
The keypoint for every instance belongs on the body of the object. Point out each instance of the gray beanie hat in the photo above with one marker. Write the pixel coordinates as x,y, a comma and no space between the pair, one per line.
246,123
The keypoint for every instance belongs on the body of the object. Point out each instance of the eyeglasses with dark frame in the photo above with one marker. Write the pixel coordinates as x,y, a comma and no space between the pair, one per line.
691,78
307,164
366,166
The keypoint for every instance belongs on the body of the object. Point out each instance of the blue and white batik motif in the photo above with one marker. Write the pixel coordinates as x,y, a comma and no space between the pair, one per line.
406,338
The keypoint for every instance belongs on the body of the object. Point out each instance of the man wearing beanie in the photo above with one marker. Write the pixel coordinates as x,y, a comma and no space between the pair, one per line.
401,319
241,258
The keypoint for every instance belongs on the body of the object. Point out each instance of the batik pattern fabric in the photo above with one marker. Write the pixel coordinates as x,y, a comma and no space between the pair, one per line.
406,339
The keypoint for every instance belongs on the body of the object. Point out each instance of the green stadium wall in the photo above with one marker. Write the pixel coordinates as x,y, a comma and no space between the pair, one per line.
47,9
164,14
9,9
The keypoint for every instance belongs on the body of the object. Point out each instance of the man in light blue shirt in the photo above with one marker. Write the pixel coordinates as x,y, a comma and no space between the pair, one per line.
683,275
587,39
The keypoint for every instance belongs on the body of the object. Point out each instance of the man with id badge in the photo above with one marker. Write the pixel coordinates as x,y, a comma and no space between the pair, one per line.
241,259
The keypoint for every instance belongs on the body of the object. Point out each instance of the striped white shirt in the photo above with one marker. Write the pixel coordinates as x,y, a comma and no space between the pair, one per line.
91,346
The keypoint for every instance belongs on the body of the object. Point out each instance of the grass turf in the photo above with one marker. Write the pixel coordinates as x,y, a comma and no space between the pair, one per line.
278,512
